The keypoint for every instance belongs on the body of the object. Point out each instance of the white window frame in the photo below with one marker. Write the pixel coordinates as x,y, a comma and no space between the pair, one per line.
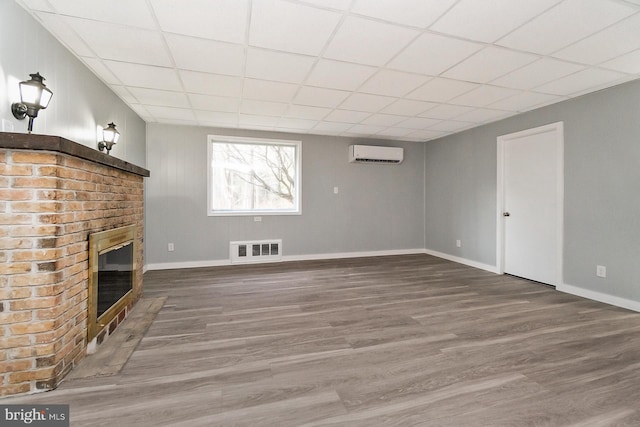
297,210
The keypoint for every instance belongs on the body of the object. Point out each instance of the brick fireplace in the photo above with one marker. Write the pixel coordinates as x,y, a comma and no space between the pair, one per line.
54,193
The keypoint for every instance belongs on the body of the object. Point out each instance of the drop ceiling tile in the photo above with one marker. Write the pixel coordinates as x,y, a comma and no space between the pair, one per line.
190,53
214,103
416,13
211,84
432,54
267,90
306,112
629,63
112,41
408,107
224,20
395,132
339,75
331,127
565,24
63,32
125,94
445,111
134,13
526,101
426,135
417,123
247,120
345,116
217,118
393,83
366,102
609,43
280,25
178,122
537,73
451,126
145,75
100,70
488,64
320,97
364,41
329,4
487,21
277,66
589,79
484,95
160,97
385,120
170,113
441,90
366,129
482,115
266,108
297,124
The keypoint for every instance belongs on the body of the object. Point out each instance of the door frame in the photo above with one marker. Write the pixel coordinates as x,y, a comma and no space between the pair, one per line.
558,129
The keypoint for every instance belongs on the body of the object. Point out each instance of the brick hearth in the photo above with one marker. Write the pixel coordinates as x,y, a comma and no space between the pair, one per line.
53,194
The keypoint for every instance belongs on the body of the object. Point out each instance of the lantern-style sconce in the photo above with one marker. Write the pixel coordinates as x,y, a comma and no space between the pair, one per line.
34,96
109,138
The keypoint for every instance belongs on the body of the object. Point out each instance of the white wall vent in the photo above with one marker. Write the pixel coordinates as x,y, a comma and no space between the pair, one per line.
254,251
375,154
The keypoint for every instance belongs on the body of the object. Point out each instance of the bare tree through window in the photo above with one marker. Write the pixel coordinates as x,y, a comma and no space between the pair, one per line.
253,176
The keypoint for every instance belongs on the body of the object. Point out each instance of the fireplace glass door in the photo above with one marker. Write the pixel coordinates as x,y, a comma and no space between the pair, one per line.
112,275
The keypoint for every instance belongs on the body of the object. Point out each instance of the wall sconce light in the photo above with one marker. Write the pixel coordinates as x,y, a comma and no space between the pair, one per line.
109,138
34,96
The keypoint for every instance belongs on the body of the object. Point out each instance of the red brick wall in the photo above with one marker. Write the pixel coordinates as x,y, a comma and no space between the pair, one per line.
49,204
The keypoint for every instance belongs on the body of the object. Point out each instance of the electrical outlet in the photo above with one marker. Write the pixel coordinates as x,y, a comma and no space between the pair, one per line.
458,244
170,247
335,190
601,271
257,219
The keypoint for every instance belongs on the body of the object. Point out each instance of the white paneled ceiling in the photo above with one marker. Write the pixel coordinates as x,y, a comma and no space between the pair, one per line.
391,69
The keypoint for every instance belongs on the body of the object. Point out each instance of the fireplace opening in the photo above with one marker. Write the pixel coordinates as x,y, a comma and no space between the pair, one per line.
115,268
112,272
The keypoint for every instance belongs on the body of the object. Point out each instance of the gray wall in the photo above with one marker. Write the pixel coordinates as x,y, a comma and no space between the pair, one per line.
378,208
80,100
602,189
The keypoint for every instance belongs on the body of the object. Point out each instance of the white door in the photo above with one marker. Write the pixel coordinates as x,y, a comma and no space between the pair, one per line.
530,216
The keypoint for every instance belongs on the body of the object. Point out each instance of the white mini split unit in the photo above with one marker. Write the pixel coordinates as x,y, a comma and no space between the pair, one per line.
375,154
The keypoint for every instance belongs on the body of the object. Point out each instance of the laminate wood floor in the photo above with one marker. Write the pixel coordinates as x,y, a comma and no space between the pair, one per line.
387,341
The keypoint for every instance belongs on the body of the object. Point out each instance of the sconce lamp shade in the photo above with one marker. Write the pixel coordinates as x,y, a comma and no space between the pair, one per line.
34,96
110,134
109,138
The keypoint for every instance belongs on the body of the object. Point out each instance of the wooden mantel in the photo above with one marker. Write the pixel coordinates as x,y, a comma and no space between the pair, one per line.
24,141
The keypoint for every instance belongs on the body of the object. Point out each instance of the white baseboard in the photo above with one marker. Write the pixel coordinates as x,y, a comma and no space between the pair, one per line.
337,255
187,264
459,260
599,296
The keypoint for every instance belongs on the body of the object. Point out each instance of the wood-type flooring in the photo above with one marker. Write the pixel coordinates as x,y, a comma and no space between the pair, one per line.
386,341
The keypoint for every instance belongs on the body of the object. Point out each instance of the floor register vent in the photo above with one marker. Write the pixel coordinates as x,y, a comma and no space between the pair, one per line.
255,251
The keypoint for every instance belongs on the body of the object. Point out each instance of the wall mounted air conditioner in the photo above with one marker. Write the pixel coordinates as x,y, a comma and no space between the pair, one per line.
375,154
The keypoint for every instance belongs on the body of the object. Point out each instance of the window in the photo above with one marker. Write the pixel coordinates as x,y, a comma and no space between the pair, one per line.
249,176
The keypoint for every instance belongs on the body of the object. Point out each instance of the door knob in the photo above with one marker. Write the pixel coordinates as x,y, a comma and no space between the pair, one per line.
506,214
